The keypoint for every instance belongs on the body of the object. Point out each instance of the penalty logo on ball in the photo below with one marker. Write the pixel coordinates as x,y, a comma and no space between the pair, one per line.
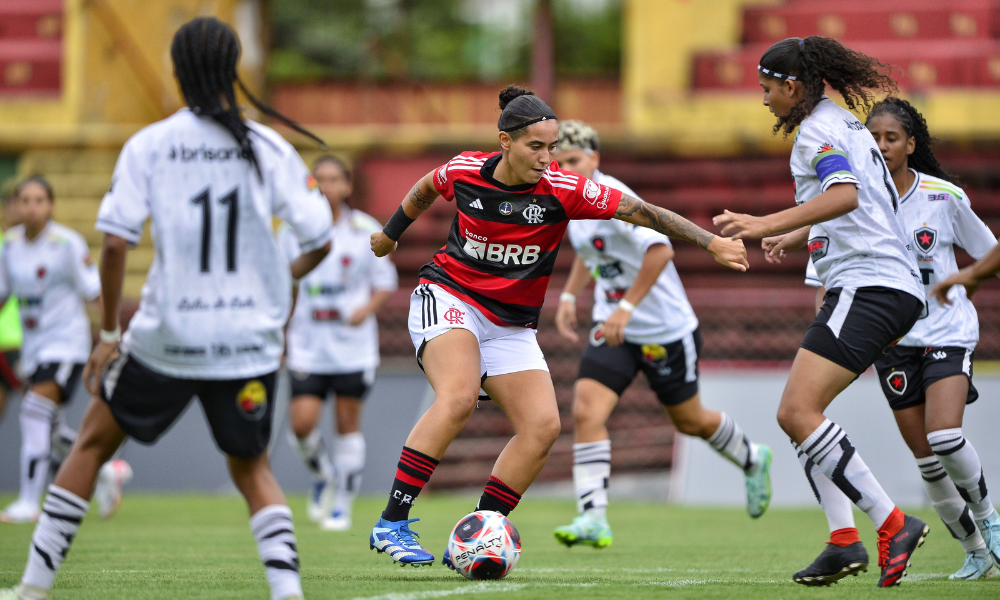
484,545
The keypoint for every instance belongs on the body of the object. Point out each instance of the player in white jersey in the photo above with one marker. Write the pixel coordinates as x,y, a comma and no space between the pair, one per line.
213,307
333,346
642,322
846,214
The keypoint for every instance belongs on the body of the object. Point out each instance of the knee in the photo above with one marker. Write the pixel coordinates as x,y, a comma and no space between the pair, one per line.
457,403
546,429
585,411
692,426
788,417
302,426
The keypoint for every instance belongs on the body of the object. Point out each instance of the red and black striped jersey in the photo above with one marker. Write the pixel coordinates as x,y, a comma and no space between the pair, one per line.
504,240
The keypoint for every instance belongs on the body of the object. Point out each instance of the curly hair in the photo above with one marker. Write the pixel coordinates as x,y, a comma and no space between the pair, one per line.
820,61
577,135
922,160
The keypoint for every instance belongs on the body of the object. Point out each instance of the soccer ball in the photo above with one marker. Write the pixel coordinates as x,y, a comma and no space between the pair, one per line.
484,545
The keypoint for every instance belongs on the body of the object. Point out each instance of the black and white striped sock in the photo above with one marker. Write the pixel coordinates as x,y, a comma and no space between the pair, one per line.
831,450
962,463
838,508
272,528
730,441
60,520
949,505
592,475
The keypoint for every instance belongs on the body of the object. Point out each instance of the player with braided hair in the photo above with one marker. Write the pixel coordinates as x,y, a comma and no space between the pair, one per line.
846,214
215,302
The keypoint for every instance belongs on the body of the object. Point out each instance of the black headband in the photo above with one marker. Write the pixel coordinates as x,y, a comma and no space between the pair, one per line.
526,123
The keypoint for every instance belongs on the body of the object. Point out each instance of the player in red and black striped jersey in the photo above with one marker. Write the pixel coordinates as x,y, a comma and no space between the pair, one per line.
474,314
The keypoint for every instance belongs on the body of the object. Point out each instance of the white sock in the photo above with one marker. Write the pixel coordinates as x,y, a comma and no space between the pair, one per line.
730,441
313,452
57,526
272,528
838,507
591,476
37,416
961,461
348,466
949,505
831,450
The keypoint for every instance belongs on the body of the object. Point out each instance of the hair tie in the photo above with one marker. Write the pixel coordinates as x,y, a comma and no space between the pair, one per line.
802,44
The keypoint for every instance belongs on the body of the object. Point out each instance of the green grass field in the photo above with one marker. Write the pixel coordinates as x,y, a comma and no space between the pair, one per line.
166,547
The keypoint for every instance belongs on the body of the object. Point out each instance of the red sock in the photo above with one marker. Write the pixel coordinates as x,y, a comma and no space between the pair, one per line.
499,497
844,537
894,523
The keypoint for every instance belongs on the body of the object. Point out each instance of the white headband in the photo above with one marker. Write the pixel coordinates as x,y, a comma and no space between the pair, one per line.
775,74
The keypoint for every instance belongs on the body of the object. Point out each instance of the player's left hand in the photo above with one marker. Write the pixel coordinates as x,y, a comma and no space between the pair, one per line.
965,277
740,226
103,354
614,327
382,244
359,316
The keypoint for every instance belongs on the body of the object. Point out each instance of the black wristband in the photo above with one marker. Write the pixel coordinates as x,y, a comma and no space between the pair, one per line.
397,224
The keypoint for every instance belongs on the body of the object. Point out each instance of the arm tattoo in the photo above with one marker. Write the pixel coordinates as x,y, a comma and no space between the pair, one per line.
635,211
419,199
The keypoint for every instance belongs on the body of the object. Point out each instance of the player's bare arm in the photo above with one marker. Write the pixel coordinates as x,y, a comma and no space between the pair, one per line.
839,200
653,262
308,261
726,251
971,277
577,281
417,200
776,247
112,269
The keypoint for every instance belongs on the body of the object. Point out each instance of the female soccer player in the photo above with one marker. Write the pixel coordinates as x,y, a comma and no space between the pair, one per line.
48,268
846,214
643,322
333,346
216,299
11,334
474,314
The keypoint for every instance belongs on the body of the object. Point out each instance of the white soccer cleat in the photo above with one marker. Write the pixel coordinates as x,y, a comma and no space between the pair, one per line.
20,511
320,500
24,592
112,477
336,521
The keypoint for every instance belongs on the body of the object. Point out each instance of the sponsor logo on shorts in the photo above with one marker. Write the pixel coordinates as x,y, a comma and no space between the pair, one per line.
940,355
926,238
896,382
591,191
506,208
818,247
454,316
597,335
654,353
252,400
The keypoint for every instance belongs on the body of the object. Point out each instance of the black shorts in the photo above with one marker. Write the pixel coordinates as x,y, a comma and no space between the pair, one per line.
906,372
8,369
352,385
856,326
65,374
672,369
146,403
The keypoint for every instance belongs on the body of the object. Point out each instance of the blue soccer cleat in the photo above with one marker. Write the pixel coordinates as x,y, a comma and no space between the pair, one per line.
446,560
396,539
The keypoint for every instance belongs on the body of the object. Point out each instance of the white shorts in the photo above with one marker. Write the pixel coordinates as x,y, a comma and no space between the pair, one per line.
502,350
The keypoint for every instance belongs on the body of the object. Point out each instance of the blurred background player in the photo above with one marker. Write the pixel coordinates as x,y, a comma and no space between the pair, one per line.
211,318
473,318
846,214
333,346
11,335
642,322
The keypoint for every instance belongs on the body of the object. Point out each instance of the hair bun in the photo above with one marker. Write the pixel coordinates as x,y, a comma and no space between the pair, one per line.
510,92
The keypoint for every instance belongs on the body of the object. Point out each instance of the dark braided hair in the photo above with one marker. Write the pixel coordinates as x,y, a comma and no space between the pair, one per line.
519,109
205,52
922,160
817,62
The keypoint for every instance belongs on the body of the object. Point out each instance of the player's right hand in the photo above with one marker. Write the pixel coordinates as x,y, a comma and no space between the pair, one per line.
382,244
965,277
566,321
103,354
729,252
774,247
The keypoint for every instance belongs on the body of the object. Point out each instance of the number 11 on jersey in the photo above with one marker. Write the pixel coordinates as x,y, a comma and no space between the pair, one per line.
232,201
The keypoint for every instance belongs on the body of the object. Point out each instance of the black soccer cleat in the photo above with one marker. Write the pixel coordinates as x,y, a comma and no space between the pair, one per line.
833,564
894,553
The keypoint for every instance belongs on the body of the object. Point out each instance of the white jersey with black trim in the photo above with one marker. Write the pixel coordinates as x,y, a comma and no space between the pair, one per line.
867,246
937,217
52,276
613,251
812,279
218,293
320,338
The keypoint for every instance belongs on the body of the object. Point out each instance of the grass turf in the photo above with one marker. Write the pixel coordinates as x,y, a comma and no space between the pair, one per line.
161,547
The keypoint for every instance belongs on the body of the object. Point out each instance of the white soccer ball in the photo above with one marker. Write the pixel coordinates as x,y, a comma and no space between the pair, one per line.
484,545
